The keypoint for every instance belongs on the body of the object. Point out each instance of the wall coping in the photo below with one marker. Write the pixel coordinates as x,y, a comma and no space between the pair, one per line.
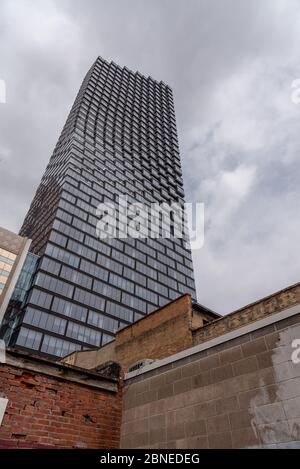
59,370
253,326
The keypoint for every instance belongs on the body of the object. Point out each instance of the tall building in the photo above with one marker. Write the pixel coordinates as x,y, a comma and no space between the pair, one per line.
13,251
119,139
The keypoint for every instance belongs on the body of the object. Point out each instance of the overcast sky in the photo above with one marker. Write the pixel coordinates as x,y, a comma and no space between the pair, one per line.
230,63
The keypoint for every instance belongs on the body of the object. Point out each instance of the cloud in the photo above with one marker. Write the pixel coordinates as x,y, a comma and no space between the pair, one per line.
231,65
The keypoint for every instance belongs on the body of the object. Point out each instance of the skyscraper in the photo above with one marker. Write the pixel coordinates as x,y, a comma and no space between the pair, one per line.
119,139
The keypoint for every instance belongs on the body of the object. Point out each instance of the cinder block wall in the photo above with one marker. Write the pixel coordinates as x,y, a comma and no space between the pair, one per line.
51,405
242,393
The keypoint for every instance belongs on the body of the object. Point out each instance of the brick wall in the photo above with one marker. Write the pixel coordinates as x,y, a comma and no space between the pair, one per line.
244,392
51,405
160,334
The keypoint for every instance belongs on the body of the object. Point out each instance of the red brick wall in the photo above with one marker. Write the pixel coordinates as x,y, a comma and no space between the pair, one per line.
49,411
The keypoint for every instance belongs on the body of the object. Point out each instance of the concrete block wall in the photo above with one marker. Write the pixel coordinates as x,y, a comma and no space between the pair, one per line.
242,393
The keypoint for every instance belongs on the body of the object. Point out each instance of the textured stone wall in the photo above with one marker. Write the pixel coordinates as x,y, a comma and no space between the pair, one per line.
239,394
271,304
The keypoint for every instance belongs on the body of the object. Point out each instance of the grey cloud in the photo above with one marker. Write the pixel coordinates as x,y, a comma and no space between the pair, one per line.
230,64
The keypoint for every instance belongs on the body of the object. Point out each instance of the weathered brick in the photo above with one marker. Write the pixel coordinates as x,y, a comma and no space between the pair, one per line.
226,404
145,397
141,386
273,340
136,440
240,419
142,411
157,381
173,375
269,413
202,379
276,432
209,362
50,411
182,385
165,391
204,410
175,432
254,347
184,414
292,408
255,395
220,440
246,365
245,438
157,407
196,442
221,373
218,423
190,369
195,428
157,422
231,355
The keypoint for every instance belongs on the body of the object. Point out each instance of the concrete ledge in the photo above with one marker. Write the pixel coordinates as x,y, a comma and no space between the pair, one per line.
36,364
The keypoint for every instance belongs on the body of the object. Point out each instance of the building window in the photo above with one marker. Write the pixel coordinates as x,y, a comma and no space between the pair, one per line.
84,334
103,322
40,298
59,347
46,321
69,309
29,338
106,338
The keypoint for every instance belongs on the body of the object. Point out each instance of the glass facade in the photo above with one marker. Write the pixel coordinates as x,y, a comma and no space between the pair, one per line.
13,314
119,139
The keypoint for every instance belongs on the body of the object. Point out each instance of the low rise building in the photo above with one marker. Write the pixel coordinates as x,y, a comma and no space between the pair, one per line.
190,379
